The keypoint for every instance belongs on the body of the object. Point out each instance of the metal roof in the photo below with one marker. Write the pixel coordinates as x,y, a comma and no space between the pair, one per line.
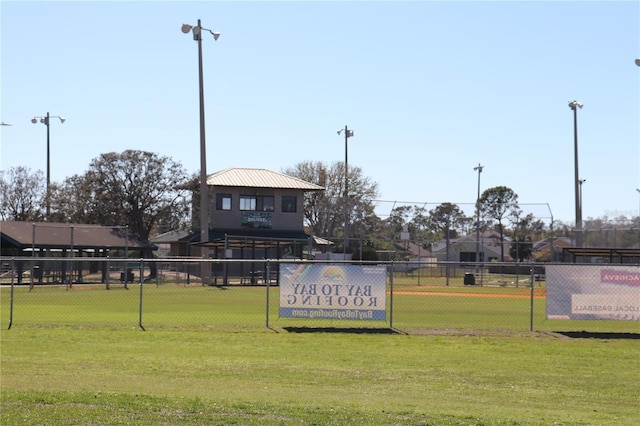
171,236
23,235
245,237
259,178
611,253
248,237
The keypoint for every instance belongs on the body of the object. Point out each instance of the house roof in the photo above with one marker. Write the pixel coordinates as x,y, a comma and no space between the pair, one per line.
171,236
23,235
259,178
547,242
322,241
489,241
411,248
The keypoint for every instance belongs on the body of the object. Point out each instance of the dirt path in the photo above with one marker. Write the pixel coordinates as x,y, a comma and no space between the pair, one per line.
488,295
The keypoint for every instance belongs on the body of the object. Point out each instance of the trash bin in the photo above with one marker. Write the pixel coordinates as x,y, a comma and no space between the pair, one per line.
469,279
37,273
130,276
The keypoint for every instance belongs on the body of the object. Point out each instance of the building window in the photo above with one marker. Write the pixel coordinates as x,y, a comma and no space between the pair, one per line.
223,201
247,202
289,204
259,203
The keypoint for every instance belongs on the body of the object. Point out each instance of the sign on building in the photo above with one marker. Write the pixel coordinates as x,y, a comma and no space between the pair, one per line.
256,220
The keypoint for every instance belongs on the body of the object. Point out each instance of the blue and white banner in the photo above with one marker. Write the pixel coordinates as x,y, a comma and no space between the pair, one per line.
330,291
593,292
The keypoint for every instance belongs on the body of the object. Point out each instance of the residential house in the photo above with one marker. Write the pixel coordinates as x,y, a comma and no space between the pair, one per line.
464,249
550,248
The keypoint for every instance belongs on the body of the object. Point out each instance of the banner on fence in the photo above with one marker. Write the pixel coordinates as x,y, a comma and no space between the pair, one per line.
593,292
321,291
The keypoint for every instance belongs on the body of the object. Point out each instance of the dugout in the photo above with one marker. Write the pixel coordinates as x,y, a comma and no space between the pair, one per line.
241,244
45,242
257,245
601,255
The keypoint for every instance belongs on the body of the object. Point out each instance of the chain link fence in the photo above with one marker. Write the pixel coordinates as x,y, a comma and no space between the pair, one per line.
411,297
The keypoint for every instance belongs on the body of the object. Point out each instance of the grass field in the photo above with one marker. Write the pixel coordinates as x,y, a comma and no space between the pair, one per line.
455,356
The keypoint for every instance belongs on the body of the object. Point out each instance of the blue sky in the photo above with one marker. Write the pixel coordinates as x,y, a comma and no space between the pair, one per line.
431,89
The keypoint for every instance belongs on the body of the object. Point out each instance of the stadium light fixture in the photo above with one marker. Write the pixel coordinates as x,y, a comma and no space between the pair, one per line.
46,120
197,31
204,198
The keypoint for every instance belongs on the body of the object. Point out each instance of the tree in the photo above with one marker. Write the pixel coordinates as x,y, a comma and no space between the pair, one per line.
610,232
524,230
398,219
22,194
73,201
140,189
445,220
419,226
496,203
324,211
521,248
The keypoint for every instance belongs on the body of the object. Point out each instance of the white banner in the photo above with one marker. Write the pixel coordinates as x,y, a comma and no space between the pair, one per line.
321,291
593,292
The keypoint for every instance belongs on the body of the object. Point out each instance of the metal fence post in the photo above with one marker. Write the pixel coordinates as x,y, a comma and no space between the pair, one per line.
533,268
391,297
141,281
108,273
268,281
33,253
13,271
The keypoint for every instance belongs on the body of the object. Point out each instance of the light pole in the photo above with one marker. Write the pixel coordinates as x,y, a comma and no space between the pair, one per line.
574,105
46,121
638,64
347,134
479,170
204,198
581,181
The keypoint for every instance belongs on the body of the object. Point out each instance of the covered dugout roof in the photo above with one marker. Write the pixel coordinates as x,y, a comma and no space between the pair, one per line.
241,238
613,254
19,236
247,237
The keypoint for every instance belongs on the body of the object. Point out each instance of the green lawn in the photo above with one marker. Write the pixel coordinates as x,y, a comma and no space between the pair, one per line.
206,357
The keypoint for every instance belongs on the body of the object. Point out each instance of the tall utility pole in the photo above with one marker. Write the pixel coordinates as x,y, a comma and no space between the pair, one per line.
347,134
479,170
204,196
46,121
581,181
204,192
574,105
